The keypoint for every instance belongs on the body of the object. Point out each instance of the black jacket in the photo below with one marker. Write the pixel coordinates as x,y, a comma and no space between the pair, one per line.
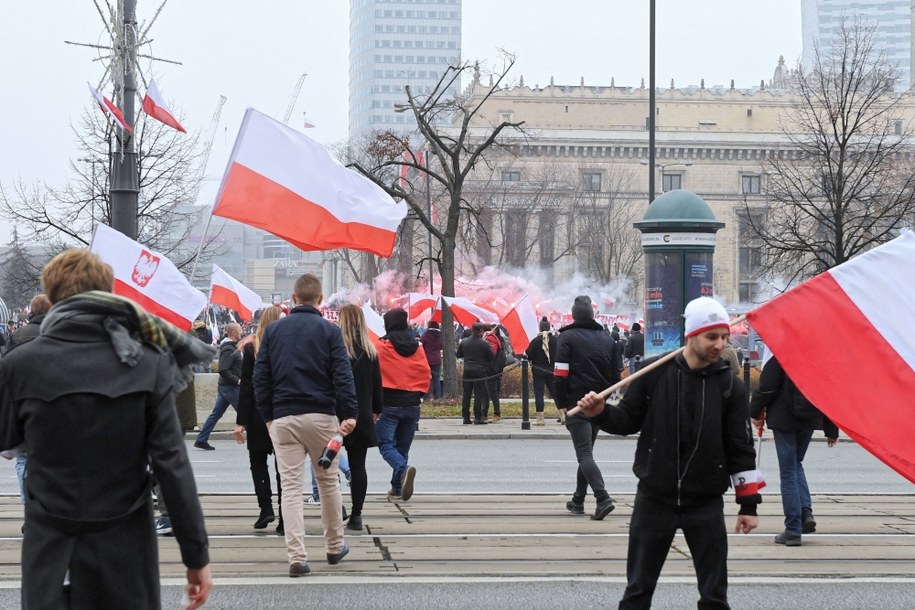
367,376
635,345
775,395
541,364
477,355
247,414
229,363
584,362
302,367
26,333
692,437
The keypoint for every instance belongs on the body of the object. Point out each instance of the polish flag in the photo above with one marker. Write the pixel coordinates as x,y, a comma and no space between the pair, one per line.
863,305
283,182
148,278
409,173
466,312
110,109
154,106
374,322
225,290
521,324
418,302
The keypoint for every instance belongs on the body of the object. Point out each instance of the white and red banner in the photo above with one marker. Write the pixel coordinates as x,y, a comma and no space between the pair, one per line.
148,278
154,105
374,322
110,109
465,311
521,324
418,303
225,290
283,182
845,338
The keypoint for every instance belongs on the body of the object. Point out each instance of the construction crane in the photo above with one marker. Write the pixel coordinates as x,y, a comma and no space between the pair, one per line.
294,98
208,146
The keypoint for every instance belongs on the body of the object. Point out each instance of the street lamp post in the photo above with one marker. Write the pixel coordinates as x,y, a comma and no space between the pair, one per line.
660,167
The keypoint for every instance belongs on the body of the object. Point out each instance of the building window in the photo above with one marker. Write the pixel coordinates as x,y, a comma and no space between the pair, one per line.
506,116
591,181
750,185
513,175
671,182
515,239
750,260
749,292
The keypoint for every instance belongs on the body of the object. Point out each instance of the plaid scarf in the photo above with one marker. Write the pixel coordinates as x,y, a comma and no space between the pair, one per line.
128,325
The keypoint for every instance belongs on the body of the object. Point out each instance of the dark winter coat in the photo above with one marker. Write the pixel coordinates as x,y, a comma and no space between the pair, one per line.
229,363
541,364
432,342
584,362
692,438
367,376
635,345
247,414
302,367
26,333
92,428
775,395
477,355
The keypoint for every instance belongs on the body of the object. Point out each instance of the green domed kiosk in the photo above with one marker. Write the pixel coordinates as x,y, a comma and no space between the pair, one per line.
678,238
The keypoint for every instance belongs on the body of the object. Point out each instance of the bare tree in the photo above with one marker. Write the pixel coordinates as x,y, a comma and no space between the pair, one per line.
845,184
60,217
19,273
456,135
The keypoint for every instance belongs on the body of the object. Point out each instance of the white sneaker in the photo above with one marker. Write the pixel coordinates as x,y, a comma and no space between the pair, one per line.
313,502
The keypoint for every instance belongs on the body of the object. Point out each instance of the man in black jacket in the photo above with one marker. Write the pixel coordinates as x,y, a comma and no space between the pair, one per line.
635,346
694,427
302,377
540,352
584,361
226,387
38,307
477,356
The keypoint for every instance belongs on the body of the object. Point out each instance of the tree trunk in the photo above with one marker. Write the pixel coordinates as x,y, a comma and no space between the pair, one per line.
449,360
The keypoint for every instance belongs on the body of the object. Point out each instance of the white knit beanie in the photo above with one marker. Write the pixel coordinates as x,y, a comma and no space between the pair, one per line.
704,313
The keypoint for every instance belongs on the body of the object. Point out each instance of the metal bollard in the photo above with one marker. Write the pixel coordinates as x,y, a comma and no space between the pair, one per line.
525,396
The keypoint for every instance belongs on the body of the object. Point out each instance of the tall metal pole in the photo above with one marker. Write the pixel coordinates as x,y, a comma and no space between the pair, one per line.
125,178
429,214
651,103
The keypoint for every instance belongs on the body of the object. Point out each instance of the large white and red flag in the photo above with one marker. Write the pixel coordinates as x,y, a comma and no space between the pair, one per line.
283,182
110,109
418,302
845,338
521,324
148,278
154,105
374,322
225,290
465,311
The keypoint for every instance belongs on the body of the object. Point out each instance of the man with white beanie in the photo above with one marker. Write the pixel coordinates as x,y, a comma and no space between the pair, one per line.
695,441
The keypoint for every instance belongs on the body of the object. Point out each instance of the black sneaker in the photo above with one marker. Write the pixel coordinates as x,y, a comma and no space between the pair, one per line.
204,445
787,539
163,527
575,509
264,520
355,523
298,569
335,558
808,523
604,508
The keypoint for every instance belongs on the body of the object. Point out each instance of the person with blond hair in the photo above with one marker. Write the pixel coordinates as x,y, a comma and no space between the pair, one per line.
363,359
93,399
250,427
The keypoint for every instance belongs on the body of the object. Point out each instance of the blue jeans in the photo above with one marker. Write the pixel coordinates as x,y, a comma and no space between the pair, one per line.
436,388
225,395
541,382
791,447
344,468
395,430
21,461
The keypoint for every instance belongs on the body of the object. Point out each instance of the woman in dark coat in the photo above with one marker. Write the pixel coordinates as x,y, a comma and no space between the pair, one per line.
367,376
248,419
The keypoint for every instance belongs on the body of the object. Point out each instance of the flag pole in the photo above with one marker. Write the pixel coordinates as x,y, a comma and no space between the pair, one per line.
645,370
200,247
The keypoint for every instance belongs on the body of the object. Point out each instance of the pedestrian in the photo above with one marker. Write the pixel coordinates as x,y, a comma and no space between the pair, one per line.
584,360
694,439
477,355
494,377
541,353
301,377
405,379
251,429
230,358
363,359
635,347
432,342
93,398
792,419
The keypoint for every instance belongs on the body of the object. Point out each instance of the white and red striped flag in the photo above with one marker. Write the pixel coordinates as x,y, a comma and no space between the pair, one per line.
418,302
225,290
521,324
866,385
283,182
465,311
373,321
110,109
154,105
148,278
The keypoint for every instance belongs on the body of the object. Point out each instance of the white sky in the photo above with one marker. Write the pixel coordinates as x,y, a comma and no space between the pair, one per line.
254,52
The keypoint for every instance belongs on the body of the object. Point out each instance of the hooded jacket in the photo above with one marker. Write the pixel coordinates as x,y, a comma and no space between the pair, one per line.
433,341
405,372
583,362
692,437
